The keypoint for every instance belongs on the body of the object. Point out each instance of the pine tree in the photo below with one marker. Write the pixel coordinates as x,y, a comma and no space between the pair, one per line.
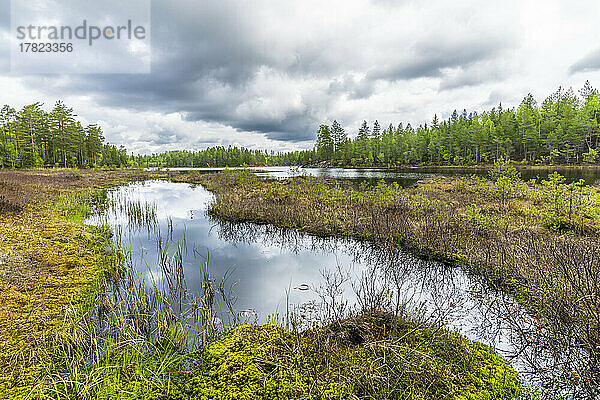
529,126
364,131
61,126
587,91
376,133
435,123
30,125
8,142
362,141
325,144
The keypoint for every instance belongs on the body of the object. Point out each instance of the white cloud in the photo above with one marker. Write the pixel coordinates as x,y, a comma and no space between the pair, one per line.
264,75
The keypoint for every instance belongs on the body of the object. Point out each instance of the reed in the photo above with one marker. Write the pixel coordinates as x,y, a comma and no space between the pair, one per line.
130,336
536,241
136,336
152,337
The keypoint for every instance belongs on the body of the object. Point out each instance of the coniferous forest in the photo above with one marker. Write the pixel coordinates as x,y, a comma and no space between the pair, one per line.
562,129
33,137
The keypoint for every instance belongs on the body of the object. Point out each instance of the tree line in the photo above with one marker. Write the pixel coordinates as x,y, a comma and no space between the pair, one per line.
32,137
218,156
221,156
564,128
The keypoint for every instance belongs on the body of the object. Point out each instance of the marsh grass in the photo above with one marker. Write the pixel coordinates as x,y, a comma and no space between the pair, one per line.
51,263
535,241
148,336
137,335
126,336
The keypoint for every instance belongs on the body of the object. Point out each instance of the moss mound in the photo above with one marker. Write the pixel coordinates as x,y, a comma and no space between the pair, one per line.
372,356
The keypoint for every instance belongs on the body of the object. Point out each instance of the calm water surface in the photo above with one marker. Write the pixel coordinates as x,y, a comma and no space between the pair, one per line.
272,271
407,177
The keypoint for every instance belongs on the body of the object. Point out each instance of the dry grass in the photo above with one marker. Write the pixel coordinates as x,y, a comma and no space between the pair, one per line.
46,263
552,268
22,187
21,190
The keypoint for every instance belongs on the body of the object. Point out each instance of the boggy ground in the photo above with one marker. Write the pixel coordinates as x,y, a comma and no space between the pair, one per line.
49,262
376,355
537,241
53,268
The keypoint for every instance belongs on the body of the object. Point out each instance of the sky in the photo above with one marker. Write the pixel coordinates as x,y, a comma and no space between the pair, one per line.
264,74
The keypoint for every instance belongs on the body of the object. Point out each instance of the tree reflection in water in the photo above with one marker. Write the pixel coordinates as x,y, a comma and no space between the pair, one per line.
438,294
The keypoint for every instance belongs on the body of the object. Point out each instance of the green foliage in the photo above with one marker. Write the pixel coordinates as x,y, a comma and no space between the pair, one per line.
212,157
591,156
78,207
269,363
568,205
33,138
483,222
325,143
506,178
503,170
563,129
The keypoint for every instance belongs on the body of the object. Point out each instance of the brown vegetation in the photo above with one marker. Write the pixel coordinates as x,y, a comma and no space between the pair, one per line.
46,263
538,242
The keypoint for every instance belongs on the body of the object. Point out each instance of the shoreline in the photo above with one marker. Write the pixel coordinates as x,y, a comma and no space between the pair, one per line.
477,167
63,191
508,233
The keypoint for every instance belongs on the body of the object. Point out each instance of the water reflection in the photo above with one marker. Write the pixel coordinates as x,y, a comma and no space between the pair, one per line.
406,177
267,274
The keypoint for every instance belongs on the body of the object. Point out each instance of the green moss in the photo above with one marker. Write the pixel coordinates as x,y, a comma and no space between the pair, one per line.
394,360
59,265
237,367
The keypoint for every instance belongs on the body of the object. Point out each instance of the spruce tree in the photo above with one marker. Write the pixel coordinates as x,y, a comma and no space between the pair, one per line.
376,133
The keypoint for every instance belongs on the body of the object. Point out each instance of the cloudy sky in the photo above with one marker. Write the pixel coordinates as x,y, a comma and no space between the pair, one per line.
265,73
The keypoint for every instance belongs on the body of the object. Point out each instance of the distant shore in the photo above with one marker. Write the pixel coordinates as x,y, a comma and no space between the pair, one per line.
477,167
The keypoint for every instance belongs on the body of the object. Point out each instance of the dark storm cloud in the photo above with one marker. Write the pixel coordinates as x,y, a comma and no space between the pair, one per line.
207,56
203,57
591,62
428,59
297,126
193,47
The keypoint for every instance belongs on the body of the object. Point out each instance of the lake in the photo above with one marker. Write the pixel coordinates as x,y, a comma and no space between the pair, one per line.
265,273
406,177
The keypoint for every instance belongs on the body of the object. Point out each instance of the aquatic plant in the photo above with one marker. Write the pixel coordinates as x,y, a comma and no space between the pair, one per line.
467,222
130,338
